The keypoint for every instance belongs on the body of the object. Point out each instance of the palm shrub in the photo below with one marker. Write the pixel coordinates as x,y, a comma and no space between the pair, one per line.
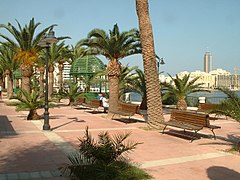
230,106
29,101
103,159
180,88
72,93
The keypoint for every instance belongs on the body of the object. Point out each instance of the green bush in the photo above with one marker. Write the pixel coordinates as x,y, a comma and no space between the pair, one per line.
103,159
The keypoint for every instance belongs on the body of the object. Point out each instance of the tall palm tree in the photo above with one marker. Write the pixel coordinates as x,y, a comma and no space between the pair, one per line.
9,65
114,46
57,54
181,87
154,102
40,64
26,47
66,55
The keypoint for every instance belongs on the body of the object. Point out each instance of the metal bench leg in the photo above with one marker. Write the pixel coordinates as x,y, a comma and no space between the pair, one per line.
113,116
164,129
214,136
193,137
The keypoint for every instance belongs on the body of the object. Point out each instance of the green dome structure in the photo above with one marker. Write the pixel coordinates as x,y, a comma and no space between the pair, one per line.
87,65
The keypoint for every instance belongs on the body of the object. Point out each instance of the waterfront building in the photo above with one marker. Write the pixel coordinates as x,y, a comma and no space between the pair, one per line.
205,79
207,62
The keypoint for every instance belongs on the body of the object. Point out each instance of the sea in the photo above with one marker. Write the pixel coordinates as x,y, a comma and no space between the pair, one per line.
214,96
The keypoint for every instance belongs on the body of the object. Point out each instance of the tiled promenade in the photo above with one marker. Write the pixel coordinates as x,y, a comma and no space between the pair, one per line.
27,152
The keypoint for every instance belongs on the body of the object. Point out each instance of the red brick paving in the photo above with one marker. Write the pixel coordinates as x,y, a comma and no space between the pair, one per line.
27,149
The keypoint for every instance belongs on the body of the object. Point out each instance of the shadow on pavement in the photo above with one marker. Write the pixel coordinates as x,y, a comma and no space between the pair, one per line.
219,172
6,128
30,157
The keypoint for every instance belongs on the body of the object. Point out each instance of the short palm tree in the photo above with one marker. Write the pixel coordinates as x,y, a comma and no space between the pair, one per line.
137,84
29,101
25,44
114,46
124,80
72,93
180,88
230,106
154,101
104,159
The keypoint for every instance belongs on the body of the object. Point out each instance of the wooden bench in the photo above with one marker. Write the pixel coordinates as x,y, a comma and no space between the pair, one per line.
125,109
80,102
190,121
94,104
206,107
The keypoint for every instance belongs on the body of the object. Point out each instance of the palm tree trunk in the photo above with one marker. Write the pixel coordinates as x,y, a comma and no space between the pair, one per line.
154,101
51,80
181,104
114,71
33,115
60,80
41,83
26,71
9,84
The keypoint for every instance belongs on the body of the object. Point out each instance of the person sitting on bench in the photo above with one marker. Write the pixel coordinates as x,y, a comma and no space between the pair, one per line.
104,102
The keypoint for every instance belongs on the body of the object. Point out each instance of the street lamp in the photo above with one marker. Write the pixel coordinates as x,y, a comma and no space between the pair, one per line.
45,42
159,61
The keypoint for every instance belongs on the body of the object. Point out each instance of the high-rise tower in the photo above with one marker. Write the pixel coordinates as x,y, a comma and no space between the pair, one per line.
207,62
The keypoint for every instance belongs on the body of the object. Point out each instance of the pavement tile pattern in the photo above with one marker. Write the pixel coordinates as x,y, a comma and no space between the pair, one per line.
28,152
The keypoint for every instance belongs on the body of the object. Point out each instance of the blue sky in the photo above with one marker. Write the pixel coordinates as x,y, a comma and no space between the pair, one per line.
183,29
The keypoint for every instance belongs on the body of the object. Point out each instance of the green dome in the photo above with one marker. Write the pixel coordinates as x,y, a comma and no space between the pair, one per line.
86,65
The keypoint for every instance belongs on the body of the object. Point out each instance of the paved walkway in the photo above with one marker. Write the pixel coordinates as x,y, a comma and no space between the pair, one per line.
27,152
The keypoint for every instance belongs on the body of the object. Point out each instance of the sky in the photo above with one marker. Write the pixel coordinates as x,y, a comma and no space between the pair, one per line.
183,30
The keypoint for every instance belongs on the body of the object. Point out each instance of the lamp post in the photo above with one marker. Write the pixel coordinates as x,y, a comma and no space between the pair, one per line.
45,42
159,61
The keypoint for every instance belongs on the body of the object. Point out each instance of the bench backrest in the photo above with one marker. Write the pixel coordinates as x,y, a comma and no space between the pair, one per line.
206,106
95,103
127,107
192,118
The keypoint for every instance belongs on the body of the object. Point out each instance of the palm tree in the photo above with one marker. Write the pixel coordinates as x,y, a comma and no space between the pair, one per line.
57,54
114,46
230,106
181,87
103,159
154,102
125,79
9,65
40,64
26,47
66,55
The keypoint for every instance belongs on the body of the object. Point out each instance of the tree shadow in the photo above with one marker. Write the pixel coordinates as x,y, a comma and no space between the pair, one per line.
43,158
75,119
219,172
